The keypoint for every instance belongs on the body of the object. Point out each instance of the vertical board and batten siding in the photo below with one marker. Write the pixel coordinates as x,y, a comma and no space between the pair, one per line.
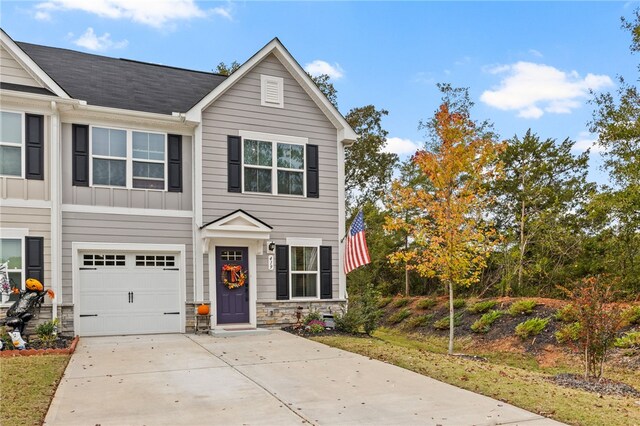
239,109
38,221
15,187
13,72
122,197
113,228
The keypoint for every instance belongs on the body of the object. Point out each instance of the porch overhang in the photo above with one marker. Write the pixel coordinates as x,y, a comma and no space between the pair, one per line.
238,225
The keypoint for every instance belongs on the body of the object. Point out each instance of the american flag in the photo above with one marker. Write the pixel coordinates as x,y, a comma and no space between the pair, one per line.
356,253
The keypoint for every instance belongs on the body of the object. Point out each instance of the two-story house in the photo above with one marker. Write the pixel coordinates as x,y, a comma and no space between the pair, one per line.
138,191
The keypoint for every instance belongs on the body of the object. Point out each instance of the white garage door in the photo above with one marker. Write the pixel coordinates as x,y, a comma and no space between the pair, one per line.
128,293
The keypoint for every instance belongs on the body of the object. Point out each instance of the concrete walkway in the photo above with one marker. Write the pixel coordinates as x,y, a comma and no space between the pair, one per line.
271,379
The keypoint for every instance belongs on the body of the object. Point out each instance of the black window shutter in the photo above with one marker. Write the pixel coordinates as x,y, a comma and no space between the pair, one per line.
313,185
80,162
34,137
234,163
326,275
34,252
175,163
282,272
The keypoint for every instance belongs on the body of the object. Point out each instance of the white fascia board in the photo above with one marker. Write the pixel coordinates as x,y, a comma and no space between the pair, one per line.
29,64
128,114
298,73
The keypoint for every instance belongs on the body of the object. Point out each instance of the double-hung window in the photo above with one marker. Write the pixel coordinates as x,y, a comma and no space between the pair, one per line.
11,143
128,158
274,165
304,272
11,254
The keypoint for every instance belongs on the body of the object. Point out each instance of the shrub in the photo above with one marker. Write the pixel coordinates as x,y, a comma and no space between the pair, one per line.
399,316
48,332
316,326
311,316
349,321
628,341
566,314
6,339
484,323
568,333
632,315
482,307
402,302
427,303
531,327
443,324
384,302
522,307
459,303
370,313
419,321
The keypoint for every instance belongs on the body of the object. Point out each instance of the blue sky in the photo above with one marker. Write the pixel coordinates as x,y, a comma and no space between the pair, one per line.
527,64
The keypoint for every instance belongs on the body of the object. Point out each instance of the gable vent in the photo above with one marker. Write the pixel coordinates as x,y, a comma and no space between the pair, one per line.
272,93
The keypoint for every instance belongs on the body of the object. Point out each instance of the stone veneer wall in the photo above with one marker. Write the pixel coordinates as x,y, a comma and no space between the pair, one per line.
282,313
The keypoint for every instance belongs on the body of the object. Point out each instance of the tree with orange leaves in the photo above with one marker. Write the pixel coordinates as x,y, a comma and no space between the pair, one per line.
452,235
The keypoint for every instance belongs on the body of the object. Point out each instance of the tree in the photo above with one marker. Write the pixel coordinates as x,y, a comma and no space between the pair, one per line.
541,192
323,81
224,69
452,238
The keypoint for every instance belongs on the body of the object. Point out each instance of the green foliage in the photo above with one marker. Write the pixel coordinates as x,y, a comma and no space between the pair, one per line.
316,326
459,303
482,307
384,301
6,339
566,314
531,327
313,314
427,303
419,321
443,324
401,302
48,331
628,340
486,321
568,333
363,312
522,307
349,321
399,316
224,69
323,81
632,315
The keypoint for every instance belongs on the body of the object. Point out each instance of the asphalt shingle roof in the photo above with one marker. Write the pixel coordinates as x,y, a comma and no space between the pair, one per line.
123,83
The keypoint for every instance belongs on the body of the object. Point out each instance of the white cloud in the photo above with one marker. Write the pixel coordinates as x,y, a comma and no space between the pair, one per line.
318,67
533,89
586,141
536,53
155,13
89,40
400,146
42,15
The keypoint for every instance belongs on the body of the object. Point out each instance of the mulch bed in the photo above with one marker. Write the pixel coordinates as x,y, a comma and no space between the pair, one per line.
603,386
62,345
300,331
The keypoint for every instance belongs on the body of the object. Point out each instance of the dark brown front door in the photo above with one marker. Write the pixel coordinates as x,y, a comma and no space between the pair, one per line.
232,303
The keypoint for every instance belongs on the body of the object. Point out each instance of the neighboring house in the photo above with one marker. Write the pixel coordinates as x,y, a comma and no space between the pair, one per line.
127,186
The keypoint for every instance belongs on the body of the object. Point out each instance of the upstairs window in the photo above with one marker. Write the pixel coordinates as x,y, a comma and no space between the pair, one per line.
148,160
11,141
109,152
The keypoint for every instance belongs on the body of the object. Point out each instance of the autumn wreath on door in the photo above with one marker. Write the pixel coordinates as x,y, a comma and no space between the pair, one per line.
233,276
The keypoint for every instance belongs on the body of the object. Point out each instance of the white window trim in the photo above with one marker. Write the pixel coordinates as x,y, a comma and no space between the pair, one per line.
16,234
304,242
129,158
275,139
264,79
23,157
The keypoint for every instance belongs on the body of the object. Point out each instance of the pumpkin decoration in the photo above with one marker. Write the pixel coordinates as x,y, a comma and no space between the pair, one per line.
203,309
233,276
34,285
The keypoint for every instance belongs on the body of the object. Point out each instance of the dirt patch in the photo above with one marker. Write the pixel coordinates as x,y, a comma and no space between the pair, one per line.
602,386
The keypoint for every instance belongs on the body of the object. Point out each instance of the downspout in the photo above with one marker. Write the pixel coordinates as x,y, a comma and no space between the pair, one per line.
56,220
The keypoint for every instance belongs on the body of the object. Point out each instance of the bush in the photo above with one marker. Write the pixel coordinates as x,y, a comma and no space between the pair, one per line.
459,303
443,324
427,303
313,315
531,327
6,339
419,321
48,332
399,316
316,326
482,307
349,321
568,333
384,302
628,341
400,303
363,312
566,314
484,323
632,315
522,307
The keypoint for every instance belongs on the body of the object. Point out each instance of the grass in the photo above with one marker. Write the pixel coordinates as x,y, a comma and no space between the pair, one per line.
28,384
524,385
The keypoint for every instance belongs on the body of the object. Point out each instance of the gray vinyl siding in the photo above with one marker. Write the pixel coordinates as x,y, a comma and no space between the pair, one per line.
28,189
239,109
12,72
112,228
38,222
122,197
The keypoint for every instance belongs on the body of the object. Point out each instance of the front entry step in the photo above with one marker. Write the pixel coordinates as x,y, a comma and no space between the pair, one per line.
233,332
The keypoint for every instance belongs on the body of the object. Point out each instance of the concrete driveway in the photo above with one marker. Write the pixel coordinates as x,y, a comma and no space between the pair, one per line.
272,379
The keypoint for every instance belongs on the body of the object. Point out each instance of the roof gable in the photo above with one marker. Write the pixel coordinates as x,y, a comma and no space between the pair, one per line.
238,224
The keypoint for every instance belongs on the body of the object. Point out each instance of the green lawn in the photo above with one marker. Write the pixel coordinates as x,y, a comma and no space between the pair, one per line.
27,385
513,378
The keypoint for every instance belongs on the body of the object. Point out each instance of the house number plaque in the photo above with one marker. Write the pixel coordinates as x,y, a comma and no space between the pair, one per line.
270,261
